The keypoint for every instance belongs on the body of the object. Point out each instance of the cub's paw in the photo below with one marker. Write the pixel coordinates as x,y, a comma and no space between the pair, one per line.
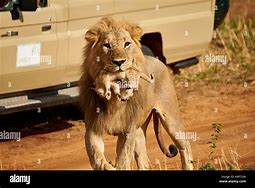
126,94
100,92
108,94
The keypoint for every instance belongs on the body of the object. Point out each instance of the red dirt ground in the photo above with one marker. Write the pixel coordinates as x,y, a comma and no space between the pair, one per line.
201,105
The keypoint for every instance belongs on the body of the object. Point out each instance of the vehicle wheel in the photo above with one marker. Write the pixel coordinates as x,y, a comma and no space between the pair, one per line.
221,10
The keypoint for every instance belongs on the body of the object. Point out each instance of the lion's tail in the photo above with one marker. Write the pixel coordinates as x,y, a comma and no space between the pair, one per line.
171,151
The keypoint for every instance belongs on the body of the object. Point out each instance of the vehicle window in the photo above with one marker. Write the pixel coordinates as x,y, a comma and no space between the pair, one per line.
7,5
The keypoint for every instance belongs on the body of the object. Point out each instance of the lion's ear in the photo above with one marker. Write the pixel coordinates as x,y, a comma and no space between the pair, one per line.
136,32
92,36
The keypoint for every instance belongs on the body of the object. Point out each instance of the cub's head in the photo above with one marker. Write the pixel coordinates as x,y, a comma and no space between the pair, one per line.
113,45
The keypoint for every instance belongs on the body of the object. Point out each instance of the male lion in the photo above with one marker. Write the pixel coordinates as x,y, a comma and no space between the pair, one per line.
107,41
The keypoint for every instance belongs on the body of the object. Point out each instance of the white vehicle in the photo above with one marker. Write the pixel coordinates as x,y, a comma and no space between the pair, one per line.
41,50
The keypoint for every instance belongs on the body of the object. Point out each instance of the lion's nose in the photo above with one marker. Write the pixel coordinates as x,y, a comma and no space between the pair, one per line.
118,62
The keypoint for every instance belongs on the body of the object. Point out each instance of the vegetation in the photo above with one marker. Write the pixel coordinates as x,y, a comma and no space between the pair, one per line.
234,46
212,145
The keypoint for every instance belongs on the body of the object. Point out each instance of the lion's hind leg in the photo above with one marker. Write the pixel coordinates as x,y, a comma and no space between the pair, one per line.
173,126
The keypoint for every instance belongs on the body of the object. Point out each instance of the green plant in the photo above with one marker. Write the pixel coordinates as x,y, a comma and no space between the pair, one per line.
214,138
207,166
212,145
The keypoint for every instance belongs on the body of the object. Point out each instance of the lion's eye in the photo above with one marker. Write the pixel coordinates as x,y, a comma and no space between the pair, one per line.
127,44
107,45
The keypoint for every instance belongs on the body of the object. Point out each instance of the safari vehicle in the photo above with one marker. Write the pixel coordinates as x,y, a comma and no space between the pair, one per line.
41,50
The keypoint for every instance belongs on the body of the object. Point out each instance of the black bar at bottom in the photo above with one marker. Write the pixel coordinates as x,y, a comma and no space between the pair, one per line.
126,178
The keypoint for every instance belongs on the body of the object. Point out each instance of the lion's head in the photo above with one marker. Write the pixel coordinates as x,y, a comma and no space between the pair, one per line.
112,45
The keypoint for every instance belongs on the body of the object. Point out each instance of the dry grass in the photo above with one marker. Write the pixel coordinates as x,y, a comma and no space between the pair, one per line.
222,162
216,160
229,161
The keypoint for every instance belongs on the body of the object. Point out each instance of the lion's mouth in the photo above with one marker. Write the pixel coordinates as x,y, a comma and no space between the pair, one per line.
126,66
112,69
123,68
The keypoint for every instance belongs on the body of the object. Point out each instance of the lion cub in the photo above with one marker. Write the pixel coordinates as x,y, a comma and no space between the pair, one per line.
122,83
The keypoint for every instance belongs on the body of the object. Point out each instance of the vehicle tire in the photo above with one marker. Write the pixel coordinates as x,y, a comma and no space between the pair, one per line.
221,10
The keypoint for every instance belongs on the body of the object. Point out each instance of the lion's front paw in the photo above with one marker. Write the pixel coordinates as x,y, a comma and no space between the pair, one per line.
108,166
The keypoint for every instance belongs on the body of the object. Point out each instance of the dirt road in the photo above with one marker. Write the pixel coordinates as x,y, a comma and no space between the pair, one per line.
233,106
